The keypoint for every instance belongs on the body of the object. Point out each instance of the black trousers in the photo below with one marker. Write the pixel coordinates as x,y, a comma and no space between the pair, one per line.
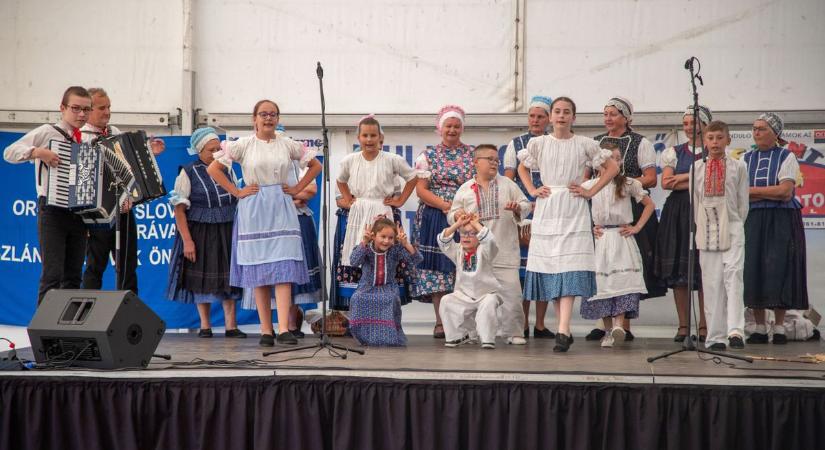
62,236
102,243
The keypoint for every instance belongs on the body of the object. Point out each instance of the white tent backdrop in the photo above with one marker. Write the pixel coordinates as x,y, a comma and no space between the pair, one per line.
413,56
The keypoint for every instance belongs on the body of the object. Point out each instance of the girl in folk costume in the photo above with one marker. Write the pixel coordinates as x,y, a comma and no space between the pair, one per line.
673,241
639,162
442,169
368,184
375,308
561,259
267,250
538,119
721,208
499,204
304,296
775,267
202,253
619,273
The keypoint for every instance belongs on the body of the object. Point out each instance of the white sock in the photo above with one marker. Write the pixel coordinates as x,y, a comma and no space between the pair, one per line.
779,329
761,328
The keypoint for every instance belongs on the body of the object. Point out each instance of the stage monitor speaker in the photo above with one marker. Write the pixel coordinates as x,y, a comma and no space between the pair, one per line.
94,329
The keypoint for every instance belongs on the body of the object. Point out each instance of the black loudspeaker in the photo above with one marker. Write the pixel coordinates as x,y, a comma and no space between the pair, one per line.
94,329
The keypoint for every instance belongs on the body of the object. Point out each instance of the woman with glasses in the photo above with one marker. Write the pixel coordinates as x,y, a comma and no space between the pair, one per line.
775,266
61,233
442,169
267,251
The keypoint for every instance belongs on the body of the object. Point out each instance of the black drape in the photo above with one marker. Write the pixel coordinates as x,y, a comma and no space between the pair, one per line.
357,413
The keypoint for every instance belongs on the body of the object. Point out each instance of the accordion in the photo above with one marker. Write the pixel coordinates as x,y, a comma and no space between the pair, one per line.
131,147
77,182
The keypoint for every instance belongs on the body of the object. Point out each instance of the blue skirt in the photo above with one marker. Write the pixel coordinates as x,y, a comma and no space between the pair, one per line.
550,286
430,223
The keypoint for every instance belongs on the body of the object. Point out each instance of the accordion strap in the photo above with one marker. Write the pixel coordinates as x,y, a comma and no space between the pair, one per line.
66,135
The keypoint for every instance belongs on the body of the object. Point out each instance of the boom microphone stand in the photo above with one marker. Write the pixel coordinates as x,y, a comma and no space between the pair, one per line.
324,342
688,345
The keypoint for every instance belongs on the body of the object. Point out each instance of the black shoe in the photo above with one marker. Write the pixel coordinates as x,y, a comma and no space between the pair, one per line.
543,334
297,333
286,338
736,342
628,336
563,342
703,338
596,334
236,333
267,340
205,333
779,339
679,336
527,333
815,335
757,338
717,347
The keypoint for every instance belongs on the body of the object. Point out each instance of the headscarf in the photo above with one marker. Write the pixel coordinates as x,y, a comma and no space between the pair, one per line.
705,115
447,112
199,139
539,101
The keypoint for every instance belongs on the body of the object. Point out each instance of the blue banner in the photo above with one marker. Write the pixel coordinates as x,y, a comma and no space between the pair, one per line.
20,255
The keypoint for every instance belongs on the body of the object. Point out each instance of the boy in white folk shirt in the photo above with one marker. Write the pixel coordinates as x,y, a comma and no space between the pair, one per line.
499,204
721,207
472,304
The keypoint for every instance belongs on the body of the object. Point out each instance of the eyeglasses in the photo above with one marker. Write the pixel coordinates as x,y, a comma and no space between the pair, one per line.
492,159
468,233
77,109
268,115
761,129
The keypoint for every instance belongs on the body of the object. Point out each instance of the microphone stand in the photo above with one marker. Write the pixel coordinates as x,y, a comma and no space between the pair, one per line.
687,344
324,341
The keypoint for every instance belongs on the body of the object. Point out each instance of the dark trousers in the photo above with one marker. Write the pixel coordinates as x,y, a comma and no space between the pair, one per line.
102,243
62,236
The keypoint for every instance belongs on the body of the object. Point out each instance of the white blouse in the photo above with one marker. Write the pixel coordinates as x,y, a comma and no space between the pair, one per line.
562,161
609,210
669,158
376,178
183,187
265,162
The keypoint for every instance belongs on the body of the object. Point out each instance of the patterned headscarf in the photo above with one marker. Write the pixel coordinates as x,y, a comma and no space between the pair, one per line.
199,139
623,105
447,112
705,115
539,101
774,121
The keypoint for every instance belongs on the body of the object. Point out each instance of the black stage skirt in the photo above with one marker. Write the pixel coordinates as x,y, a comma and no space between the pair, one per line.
646,240
206,279
673,243
775,268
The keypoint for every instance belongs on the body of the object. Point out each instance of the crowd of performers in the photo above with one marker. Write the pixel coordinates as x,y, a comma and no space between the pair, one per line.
552,217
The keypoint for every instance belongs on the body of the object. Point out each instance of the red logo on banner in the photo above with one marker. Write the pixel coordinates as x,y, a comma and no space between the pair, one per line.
819,136
811,191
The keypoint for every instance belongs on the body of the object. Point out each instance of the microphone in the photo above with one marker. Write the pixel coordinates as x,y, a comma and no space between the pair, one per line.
689,63
319,71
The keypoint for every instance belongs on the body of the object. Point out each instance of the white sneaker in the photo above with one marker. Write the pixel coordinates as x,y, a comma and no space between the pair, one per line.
607,341
618,334
516,340
488,345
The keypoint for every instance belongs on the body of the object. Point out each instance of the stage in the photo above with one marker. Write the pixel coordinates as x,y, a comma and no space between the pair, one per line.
221,393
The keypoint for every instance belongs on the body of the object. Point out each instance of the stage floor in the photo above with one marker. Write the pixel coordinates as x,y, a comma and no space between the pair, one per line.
426,358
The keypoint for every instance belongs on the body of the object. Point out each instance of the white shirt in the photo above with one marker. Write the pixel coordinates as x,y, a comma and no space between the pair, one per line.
265,162
737,187
669,158
506,226
607,209
481,281
183,187
21,151
90,132
374,179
